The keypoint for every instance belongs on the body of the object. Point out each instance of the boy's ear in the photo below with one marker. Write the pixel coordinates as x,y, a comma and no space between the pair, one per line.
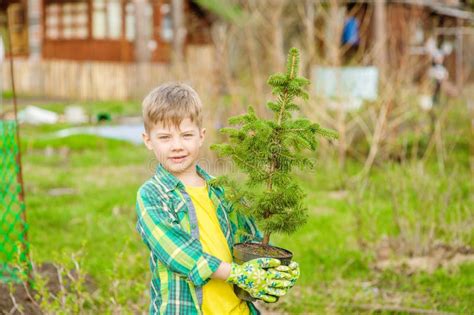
202,135
147,140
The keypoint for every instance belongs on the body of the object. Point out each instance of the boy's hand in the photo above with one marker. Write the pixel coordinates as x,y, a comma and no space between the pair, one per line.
258,282
292,271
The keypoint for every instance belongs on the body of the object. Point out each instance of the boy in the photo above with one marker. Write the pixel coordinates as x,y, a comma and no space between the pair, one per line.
188,226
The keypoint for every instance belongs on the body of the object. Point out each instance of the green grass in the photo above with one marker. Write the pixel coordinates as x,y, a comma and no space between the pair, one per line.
115,108
337,274
7,95
99,215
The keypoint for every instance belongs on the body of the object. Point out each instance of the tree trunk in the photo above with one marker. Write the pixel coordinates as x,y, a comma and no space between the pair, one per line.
310,35
266,239
142,53
380,33
334,58
276,27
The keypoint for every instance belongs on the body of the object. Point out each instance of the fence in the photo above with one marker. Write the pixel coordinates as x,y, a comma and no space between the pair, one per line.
13,241
106,80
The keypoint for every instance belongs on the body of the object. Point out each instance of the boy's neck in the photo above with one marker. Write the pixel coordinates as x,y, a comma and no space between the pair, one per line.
190,177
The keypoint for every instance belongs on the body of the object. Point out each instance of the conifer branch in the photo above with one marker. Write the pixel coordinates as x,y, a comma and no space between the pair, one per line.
267,151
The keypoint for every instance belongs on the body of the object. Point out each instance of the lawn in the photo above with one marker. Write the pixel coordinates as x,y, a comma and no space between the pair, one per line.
80,198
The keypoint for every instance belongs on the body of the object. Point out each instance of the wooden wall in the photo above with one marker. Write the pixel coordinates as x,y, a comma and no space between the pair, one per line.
83,50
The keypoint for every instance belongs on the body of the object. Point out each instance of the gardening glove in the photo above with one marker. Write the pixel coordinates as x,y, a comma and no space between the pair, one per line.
292,273
258,282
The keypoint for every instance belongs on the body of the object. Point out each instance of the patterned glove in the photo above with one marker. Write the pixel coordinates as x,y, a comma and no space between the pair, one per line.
258,282
290,272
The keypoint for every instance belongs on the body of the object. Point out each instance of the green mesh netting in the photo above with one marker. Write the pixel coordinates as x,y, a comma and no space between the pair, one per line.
14,261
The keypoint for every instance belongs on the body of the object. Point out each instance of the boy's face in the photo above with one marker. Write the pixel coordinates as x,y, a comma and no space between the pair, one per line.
176,148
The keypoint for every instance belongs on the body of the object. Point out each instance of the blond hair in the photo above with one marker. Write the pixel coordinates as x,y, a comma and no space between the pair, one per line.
170,103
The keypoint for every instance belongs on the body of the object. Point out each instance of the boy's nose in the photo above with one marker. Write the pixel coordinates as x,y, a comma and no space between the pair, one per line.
176,144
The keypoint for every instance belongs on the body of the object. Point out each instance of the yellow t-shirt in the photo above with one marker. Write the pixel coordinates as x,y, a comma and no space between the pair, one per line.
218,295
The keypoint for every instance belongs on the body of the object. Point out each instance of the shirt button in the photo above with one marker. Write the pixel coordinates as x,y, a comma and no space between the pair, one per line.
193,226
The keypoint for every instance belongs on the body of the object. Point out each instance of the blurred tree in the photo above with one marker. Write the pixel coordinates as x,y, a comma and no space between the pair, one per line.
225,9
470,4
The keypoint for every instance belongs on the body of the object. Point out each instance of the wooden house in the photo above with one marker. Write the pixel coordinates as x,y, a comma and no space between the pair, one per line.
99,30
71,48
403,29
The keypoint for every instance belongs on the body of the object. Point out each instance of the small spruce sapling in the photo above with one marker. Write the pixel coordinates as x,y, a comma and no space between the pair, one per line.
266,150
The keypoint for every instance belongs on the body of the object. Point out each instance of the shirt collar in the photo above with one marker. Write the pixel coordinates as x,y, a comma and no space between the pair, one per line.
171,182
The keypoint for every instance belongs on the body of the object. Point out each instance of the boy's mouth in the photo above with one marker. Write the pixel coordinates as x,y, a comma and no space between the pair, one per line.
178,159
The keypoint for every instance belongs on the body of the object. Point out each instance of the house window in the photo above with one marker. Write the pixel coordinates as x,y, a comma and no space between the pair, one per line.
107,19
70,20
130,22
166,33
66,21
52,21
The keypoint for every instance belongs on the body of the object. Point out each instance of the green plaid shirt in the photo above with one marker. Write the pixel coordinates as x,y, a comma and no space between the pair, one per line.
168,226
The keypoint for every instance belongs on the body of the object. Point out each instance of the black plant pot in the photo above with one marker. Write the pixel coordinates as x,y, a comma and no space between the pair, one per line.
244,252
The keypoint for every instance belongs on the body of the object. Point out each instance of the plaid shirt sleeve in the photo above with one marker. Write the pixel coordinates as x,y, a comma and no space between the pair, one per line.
251,227
169,242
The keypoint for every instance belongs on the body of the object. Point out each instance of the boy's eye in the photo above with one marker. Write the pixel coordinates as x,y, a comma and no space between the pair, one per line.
163,137
188,135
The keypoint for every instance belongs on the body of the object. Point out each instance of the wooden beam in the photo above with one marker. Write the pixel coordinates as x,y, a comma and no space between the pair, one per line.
89,19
